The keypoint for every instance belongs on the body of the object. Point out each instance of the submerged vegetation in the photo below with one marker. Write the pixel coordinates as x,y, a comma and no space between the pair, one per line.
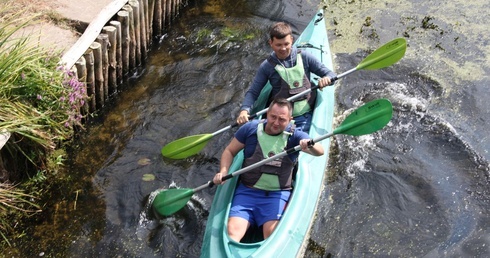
40,108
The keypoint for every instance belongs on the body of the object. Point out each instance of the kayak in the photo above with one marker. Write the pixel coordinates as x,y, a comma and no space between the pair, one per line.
290,237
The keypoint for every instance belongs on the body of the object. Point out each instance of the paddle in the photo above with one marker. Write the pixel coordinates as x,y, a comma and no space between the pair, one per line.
366,119
384,56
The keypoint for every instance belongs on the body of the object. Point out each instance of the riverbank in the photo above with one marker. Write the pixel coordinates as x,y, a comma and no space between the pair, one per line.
38,103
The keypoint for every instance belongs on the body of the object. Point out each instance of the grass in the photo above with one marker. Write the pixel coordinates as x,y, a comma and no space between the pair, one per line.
13,200
40,106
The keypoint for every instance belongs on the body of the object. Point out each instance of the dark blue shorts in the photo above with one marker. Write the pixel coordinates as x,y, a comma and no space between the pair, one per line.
303,122
258,206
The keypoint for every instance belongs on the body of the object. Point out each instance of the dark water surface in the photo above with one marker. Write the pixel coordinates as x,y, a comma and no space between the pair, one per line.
420,187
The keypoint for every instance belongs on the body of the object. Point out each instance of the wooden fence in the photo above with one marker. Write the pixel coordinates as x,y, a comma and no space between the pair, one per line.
115,43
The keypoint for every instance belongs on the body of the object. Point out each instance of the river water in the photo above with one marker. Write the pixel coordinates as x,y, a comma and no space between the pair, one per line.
418,188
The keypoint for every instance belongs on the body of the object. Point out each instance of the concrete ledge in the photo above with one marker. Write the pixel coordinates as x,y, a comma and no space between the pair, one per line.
4,137
61,38
81,10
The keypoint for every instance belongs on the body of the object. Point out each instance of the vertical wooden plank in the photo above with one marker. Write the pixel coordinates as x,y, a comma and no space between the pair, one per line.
123,18
143,28
151,13
137,31
119,59
164,15
103,40
181,5
111,32
90,33
81,66
132,39
147,23
90,79
168,14
98,74
124,45
157,18
176,8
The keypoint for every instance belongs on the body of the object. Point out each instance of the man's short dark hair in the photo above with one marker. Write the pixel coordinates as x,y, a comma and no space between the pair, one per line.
282,102
279,30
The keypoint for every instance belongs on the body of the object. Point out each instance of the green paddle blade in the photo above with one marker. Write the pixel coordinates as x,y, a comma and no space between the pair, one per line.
170,201
186,147
384,56
367,119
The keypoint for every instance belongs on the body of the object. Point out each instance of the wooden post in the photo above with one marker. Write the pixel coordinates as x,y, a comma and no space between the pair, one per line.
147,24
98,74
137,31
90,80
157,18
175,8
164,15
132,38
169,14
81,66
103,40
123,18
151,13
91,32
143,26
180,4
122,45
111,32
119,59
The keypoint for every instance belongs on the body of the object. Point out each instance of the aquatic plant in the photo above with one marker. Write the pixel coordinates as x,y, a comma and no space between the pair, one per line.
13,199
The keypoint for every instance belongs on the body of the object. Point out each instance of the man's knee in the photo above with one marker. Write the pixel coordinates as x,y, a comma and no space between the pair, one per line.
237,228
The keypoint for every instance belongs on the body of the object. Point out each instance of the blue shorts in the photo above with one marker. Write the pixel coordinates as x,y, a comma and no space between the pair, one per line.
303,122
258,206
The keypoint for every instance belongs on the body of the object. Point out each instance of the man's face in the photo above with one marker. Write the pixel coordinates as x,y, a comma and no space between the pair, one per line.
282,47
277,119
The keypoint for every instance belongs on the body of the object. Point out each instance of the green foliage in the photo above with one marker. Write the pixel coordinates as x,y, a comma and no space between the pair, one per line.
12,200
40,106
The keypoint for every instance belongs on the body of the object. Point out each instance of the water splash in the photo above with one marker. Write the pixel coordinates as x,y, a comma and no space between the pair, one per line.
422,180
182,226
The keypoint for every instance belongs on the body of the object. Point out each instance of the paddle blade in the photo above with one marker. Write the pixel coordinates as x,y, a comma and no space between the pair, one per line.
186,147
367,119
170,201
384,56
